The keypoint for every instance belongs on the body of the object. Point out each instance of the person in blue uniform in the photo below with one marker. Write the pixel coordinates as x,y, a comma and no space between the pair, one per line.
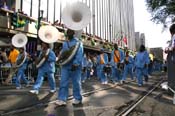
21,69
145,70
102,60
84,69
128,68
47,68
89,67
71,71
141,64
117,57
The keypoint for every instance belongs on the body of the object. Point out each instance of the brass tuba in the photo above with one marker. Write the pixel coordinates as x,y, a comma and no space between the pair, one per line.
19,41
76,17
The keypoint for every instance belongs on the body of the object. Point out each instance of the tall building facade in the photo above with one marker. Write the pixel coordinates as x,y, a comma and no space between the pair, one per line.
139,40
111,20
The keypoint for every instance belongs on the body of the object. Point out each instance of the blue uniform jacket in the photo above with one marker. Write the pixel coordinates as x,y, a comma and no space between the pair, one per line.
89,63
78,57
24,65
84,62
131,61
105,59
49,64
141,59
121,57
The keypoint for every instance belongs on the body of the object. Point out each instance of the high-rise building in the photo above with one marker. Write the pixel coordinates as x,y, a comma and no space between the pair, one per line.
139,39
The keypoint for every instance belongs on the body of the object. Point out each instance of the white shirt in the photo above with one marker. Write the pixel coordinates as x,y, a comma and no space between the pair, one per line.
172,44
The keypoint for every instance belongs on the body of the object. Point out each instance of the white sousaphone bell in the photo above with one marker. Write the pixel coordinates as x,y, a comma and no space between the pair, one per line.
76,16
19,41
49,34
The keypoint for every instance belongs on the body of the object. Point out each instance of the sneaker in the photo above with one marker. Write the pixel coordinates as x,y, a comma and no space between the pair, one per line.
60,103
34,91
28,84
102,83
105,82
83,81
18,88
52,91
115,83
76,102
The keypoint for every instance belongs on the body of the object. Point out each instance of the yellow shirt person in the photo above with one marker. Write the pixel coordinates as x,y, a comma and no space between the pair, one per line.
13,56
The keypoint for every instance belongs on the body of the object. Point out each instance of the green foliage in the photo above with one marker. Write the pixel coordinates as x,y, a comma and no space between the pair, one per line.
93,42
162,11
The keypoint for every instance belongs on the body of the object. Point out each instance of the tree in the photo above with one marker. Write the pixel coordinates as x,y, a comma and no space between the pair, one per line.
162,11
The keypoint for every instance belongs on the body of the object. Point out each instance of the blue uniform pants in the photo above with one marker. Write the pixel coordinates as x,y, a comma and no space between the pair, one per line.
140,75
75,77
40,78
115,74
127,70
20,76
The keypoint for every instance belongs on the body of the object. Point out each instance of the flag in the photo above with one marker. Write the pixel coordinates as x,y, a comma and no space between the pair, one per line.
125,40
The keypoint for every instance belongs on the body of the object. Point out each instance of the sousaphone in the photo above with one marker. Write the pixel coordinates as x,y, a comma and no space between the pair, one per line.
76,17
19,41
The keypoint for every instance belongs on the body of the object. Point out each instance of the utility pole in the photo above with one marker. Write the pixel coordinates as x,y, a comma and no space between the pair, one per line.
40,16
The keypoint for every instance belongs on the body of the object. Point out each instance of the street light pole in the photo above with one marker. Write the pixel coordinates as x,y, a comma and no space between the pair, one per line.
39,20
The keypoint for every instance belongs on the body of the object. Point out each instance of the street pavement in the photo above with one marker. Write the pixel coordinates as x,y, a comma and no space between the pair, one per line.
100,103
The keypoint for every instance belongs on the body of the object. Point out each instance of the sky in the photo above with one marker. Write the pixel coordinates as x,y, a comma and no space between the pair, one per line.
153,32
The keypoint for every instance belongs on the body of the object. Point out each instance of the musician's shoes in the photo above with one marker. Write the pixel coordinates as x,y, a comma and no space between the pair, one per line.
52,91
28,84
18,88
83,81
60,103
76,102
116,83
34,91
122,82
105,82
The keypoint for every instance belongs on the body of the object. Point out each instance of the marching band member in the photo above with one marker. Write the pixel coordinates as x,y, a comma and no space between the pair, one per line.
84,69
21,69
141,64
129,62
117,57
102,60
94,62
145,72
89,67
48,67
71,71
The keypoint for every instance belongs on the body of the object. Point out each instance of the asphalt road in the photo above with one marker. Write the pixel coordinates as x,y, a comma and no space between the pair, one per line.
98,103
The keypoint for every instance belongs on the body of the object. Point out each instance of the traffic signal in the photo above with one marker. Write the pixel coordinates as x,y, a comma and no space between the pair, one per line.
14,20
